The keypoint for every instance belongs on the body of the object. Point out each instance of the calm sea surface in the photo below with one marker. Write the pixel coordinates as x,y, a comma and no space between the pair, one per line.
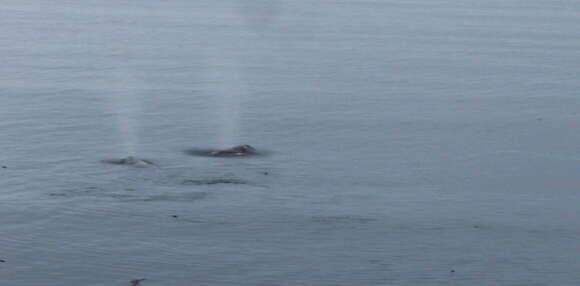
405,142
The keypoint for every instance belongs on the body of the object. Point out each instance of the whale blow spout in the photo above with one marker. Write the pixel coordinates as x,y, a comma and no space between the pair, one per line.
240,150
132,161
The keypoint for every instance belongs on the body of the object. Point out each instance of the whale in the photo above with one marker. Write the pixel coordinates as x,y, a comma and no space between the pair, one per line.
240,150
132,161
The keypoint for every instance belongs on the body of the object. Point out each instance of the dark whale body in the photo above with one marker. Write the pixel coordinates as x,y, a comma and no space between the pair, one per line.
132,161
239,150
233,152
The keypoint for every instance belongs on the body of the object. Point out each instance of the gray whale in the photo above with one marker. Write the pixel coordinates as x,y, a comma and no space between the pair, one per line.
239,150
132,161
233,152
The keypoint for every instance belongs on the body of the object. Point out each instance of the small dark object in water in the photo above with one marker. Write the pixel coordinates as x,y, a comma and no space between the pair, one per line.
239,150
4,167
136,282
174,216
266,173
452,271
476,226
2,260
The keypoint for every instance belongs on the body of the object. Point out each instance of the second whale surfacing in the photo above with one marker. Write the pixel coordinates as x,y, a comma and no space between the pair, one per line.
132,161
236,151
240,150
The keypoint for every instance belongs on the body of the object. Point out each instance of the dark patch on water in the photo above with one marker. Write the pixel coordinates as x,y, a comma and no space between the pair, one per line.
80,192
136,282
214,181
341,219
57,194
123,195
182,197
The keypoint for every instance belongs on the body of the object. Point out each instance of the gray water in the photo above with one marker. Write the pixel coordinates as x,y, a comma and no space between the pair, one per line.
409,142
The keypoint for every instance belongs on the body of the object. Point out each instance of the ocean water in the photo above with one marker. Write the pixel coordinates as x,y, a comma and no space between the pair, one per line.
405,142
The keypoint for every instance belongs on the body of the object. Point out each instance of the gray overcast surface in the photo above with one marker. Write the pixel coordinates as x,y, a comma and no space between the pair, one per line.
409,142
